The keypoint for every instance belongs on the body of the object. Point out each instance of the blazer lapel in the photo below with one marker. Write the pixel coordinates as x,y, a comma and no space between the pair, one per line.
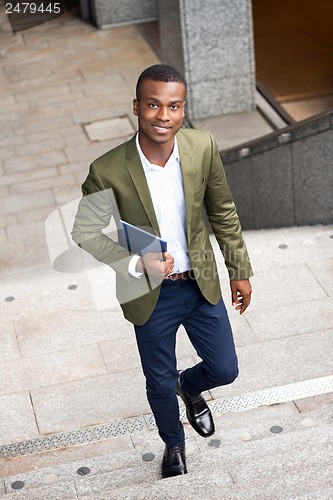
137,174
187,167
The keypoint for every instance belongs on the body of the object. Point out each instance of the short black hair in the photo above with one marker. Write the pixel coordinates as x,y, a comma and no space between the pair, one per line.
160,73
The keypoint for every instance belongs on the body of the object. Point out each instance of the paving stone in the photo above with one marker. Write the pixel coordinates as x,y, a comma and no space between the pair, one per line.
65,491
59,408
41,184
55,133
34,161
94,85
91,151
234,129
3,234
70,329
8,343
12,309
39,146
237,428
13,116
61,457
22,106
17,419
7,99
32,231
284,285
57,98
24,176
146,482
117,350
50,293
318,405
67,194
323,271
7,220
272,363
34,126
77,140
266,254
29,259
43,79
57,368
69,472
296,467
51,110
11,140
30,216
7,152
109,129
79,168
101,113
293,319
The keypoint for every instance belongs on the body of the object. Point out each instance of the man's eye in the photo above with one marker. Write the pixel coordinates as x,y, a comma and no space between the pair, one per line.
174,106
152,105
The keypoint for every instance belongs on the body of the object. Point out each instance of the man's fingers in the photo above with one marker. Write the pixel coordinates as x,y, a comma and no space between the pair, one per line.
234,297
241,294
245,303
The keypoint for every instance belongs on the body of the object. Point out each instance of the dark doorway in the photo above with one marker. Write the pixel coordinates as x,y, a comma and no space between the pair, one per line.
294,53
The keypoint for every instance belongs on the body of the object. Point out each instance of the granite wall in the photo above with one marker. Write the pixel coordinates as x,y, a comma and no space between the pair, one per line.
284,178
109,12
212,44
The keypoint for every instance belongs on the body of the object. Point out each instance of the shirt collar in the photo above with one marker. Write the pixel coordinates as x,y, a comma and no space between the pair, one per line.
146,163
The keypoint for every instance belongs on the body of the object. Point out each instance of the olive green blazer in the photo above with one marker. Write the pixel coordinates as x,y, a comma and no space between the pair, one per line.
205,188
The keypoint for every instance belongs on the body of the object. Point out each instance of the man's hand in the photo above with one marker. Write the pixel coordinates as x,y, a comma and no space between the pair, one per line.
156,265
240,294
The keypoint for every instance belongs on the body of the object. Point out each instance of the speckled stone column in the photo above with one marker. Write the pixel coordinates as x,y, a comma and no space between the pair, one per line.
211,43
108,12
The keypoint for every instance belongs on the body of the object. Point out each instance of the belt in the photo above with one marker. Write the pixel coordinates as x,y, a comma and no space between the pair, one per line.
178,276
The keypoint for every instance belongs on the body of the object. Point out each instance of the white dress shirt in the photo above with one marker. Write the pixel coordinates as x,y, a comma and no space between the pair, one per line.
167,193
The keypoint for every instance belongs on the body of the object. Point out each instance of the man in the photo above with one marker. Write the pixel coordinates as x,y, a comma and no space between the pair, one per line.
161,179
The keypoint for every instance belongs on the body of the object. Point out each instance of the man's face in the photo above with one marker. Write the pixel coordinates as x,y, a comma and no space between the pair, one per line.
160,111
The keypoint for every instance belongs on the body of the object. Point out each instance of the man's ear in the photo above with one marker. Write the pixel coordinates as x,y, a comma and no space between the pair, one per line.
135,107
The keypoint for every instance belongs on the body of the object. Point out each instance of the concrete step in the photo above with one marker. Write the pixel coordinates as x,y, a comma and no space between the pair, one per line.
244,460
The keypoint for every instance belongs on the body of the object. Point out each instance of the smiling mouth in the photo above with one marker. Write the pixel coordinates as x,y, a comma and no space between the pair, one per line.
161,127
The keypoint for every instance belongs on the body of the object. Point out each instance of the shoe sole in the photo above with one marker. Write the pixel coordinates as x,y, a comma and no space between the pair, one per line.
174,472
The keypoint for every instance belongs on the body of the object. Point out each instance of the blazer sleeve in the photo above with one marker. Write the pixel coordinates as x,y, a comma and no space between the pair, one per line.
224,220
94,214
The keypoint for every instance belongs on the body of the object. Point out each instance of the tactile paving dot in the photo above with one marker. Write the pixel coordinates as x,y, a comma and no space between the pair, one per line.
17,485
148,457
72,287
246,436
214,443
276,429
307,422
83,471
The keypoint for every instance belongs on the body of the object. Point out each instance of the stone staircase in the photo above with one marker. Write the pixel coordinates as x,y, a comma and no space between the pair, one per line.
275,452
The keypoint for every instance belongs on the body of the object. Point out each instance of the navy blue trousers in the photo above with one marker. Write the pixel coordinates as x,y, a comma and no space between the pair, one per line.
208,328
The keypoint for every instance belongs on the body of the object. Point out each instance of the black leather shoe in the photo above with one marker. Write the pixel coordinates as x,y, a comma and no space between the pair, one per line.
174,461
197,412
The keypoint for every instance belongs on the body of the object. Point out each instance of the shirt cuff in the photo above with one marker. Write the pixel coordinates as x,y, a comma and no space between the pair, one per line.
132,266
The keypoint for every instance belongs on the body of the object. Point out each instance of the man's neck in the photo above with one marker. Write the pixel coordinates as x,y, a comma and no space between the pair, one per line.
157,154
